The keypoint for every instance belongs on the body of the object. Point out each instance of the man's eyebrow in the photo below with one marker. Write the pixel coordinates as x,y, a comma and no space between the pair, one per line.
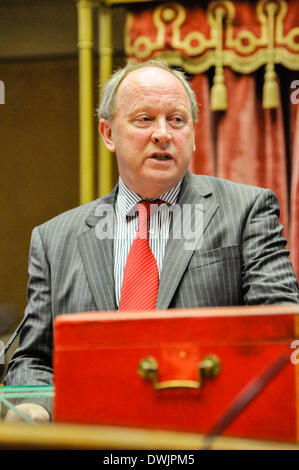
149,107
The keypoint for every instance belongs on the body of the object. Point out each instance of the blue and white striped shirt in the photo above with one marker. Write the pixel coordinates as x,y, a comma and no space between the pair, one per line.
127,224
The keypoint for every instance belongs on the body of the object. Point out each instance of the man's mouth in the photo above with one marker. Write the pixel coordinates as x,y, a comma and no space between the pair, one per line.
161,156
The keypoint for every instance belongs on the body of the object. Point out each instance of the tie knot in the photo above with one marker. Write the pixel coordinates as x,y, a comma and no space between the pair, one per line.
147,208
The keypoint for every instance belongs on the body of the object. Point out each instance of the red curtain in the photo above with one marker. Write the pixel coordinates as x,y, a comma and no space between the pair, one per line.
246,143
204,157
294,223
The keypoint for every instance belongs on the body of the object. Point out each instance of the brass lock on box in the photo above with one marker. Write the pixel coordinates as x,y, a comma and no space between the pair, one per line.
209,367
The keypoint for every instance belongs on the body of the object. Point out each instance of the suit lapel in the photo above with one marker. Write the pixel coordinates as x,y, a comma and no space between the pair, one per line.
177,256
97,253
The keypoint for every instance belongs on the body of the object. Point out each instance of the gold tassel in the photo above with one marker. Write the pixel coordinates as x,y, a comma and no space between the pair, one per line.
218,92
270,89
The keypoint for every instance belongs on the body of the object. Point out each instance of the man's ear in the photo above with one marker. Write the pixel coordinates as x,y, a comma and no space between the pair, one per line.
194,134
105,129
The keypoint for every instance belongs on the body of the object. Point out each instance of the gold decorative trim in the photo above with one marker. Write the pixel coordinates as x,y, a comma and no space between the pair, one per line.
203,63
245,43
243,52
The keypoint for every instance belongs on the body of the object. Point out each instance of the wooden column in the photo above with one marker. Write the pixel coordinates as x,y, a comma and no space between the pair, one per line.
85,44
105,164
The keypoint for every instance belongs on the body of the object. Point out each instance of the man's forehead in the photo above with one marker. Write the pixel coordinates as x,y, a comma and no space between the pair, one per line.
148,71
148,78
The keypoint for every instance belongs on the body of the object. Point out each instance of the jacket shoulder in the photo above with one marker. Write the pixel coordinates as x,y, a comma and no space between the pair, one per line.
223,187
74,217
71,223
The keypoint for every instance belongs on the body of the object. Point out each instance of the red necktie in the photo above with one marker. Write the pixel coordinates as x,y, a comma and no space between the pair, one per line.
141,277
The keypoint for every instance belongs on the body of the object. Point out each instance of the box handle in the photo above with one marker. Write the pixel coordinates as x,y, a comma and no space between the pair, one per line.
209,367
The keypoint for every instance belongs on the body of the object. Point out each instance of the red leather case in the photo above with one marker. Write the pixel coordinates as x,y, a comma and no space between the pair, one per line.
96,378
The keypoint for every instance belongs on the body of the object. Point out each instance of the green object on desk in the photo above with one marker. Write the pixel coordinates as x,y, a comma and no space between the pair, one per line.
24,391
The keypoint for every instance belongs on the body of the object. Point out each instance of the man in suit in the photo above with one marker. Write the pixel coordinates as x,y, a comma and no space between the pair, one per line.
238,257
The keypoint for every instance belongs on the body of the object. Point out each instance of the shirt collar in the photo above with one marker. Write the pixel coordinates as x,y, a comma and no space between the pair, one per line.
127,199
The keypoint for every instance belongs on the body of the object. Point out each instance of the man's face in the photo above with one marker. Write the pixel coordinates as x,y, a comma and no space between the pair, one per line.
152,132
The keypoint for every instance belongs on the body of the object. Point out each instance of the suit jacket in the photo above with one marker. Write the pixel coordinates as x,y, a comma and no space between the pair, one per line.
240,259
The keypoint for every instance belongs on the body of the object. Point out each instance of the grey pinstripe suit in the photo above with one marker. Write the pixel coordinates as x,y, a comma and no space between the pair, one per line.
242,260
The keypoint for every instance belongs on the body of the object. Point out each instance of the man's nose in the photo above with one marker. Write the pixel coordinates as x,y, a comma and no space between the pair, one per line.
161,134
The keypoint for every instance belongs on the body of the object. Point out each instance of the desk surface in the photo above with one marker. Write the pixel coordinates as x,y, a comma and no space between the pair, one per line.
65,436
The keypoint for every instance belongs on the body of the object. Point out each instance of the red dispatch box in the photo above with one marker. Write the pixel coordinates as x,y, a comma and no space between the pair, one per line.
187,370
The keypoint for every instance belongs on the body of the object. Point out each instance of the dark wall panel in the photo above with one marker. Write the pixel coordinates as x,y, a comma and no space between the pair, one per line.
39,175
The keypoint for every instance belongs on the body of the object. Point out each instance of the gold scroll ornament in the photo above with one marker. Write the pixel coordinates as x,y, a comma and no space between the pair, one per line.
243,52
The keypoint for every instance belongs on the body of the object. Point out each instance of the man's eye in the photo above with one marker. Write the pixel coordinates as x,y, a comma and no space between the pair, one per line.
177,120
142,121
143,118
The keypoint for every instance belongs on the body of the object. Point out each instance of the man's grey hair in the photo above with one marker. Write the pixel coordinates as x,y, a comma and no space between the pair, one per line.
107,106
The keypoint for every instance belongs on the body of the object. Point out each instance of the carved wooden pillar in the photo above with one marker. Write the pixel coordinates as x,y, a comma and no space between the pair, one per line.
85,45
